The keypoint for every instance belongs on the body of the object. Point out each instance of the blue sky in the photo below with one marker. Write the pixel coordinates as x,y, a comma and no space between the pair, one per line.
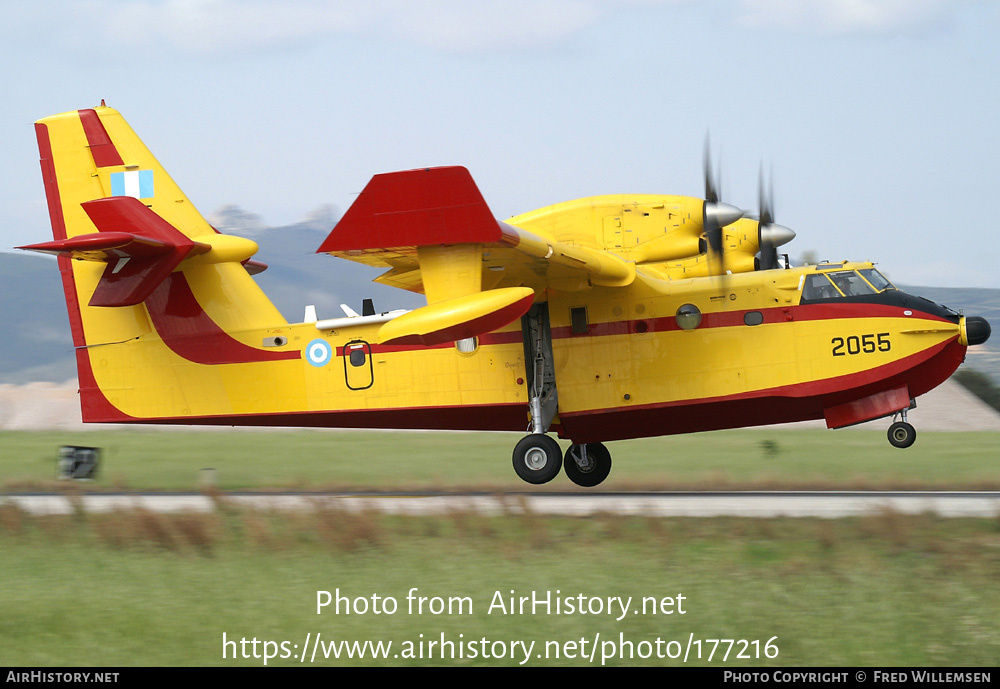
877,117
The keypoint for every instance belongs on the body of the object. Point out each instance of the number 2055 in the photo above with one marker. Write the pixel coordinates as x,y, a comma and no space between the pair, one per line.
861,344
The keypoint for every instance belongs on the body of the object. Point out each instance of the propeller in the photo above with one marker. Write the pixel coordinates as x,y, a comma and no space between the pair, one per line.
770,235
716,214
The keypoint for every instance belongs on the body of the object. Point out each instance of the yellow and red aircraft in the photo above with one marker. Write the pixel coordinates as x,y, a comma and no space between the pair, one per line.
604,318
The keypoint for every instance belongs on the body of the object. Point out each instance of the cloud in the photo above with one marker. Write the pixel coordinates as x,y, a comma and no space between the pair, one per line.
210,27
220,27
214,28
846,16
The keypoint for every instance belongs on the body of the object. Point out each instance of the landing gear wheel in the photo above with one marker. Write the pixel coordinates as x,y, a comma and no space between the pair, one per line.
537,458
587,471
902,434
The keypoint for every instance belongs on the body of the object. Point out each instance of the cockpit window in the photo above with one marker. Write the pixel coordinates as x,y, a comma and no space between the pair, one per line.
877,280
850,283
837,284
817,286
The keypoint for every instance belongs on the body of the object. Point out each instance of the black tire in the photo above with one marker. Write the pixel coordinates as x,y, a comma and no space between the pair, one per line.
537,458
902,434
600,465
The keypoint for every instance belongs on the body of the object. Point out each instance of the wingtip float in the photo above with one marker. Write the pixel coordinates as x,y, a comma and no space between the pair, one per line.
602,318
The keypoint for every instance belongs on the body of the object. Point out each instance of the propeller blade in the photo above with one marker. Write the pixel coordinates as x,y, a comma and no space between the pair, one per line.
765,199
716,214
770,235
711,191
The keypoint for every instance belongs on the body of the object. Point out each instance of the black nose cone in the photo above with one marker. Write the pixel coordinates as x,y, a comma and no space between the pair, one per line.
977,330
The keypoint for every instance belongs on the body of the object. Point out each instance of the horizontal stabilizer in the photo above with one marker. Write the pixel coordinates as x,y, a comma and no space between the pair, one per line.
458,318
140,248
103,246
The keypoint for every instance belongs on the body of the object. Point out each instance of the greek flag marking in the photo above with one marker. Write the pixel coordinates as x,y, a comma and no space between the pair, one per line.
135,183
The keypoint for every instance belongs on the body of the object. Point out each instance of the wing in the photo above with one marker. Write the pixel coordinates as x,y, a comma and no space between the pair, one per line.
434,231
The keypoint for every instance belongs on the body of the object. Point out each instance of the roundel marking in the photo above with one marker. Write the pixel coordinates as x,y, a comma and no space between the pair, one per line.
318,353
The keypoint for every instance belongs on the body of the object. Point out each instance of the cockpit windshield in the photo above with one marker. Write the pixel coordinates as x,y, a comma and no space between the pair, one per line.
876,279
850,283
843,283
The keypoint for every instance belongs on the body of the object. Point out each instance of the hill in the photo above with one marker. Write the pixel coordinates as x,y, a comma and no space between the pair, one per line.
36,344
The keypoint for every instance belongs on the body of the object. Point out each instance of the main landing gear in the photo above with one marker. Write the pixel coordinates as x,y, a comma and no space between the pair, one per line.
901,434
537,457
587,465
537,460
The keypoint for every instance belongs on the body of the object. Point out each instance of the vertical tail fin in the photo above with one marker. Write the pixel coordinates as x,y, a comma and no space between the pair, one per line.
140,264
129,227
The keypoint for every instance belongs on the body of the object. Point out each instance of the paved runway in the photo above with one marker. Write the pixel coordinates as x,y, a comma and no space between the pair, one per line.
833,504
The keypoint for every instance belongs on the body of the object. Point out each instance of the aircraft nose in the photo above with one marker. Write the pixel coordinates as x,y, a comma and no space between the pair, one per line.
975,330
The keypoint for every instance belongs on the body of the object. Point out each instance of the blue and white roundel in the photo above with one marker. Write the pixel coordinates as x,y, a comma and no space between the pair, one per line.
318,353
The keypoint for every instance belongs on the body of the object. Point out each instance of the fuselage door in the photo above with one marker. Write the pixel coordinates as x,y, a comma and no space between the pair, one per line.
358,369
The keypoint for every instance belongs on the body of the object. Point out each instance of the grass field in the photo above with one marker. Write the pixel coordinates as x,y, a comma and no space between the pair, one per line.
136,588
309,459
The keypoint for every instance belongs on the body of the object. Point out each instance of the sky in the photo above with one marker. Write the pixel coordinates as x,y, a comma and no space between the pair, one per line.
877,119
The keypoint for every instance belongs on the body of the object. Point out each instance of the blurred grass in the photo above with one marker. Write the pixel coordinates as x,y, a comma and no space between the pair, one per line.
310,459
137,588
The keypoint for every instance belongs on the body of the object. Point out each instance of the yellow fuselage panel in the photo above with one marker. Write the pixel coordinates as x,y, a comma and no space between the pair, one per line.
145,378
753,337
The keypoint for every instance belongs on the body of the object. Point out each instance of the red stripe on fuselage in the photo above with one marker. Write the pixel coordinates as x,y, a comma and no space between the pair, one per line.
733,319
725,319
191,333
485,340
